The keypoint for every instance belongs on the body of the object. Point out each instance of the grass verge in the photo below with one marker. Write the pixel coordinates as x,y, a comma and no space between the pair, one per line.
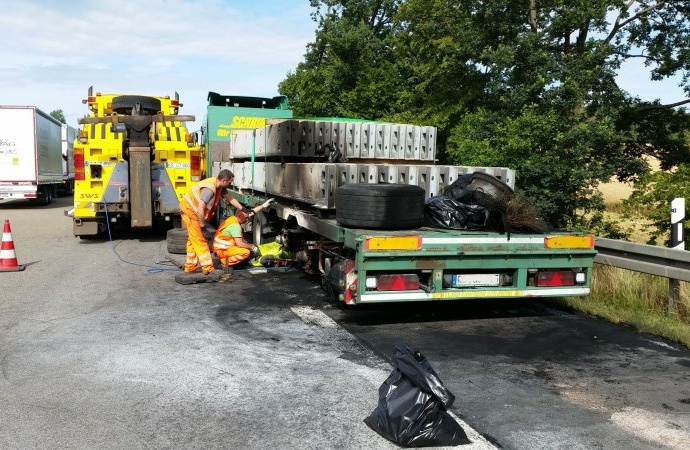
638,300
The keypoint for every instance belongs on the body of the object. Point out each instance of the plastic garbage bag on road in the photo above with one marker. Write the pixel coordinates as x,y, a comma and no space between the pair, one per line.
412,405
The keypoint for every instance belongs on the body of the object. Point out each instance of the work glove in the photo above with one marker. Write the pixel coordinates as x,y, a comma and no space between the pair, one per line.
255,252
268,203
208,231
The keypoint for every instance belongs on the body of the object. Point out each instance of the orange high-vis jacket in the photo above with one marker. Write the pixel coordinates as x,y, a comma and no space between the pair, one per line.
190,201
221,241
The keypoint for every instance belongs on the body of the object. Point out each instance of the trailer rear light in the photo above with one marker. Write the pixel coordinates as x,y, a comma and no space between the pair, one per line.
174,103
555,278
569,241
393,282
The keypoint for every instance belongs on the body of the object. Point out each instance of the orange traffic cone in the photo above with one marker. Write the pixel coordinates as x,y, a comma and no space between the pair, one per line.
8,259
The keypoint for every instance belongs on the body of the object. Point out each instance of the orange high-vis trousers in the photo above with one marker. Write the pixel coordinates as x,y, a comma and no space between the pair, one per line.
197,246
232,255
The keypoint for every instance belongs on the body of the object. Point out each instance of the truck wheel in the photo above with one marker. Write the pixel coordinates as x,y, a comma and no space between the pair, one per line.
124,104
177,241
492,185
388,206
47,196
258,225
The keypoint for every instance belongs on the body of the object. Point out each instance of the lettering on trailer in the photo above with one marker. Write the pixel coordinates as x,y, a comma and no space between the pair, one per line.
240,123
88,196
7,143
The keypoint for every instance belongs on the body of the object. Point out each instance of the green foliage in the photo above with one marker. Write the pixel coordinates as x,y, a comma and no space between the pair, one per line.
58,115
349,71
528,85
654,193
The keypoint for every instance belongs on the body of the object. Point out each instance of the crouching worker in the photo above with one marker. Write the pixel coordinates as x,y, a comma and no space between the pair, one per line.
229,244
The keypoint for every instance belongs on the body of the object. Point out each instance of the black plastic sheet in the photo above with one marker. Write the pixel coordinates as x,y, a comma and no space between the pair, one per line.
412,405
446,212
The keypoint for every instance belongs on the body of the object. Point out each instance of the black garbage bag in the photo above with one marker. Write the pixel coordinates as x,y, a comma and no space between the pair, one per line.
412,405
445,212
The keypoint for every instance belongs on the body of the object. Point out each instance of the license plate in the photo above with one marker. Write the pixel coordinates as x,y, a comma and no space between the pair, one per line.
479,279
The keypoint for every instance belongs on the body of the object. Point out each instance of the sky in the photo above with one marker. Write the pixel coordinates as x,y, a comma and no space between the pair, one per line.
51,52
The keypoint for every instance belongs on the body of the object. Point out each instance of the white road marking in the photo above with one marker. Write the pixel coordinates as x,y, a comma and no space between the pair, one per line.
318,318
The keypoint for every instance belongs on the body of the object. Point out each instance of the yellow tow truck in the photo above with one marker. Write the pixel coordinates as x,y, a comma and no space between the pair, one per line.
134,159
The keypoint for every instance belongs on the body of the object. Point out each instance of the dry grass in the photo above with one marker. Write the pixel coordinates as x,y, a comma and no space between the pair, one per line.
636,299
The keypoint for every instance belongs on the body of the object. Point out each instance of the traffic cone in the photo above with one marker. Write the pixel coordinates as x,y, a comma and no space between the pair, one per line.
8,259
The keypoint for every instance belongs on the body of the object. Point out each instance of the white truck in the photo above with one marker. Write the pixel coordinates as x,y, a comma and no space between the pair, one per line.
31,155
69,134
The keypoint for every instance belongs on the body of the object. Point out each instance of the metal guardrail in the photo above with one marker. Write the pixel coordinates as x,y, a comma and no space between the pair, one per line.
649,259
661,261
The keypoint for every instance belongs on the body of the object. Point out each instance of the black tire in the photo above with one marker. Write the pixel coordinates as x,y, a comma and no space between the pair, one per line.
380,206
177,241
258,228
124,104
492,185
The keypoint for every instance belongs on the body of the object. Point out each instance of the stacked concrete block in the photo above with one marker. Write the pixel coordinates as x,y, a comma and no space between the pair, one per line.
282,138
315,183
382,141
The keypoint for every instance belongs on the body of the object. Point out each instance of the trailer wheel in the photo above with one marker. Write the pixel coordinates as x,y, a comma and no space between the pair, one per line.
258,225
46,192
177,241
385,206
124,104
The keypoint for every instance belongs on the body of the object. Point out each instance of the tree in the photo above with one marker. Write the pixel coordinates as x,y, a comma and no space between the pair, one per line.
58,115
349,71
525,84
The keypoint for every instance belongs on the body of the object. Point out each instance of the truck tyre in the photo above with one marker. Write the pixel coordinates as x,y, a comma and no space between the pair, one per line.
492,185
124,104
382,206
177,241
258,228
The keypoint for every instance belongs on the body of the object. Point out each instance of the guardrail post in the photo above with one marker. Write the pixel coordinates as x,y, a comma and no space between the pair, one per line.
677,243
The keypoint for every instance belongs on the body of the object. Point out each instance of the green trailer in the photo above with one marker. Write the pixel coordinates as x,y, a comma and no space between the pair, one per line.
350,200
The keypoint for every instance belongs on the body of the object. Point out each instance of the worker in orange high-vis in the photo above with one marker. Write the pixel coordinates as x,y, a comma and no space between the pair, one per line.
229,244
196,209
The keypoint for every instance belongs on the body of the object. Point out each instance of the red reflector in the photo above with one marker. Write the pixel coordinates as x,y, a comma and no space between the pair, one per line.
560,278
195,162
397,282
174,103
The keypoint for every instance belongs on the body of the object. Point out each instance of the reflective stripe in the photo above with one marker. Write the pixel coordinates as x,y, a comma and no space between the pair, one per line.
192,198
221,241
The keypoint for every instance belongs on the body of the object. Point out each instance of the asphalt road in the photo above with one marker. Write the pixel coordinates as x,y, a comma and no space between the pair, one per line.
101,348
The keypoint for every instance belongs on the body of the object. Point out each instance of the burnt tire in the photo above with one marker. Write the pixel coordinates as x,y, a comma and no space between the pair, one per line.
177,241
379,206
123,104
